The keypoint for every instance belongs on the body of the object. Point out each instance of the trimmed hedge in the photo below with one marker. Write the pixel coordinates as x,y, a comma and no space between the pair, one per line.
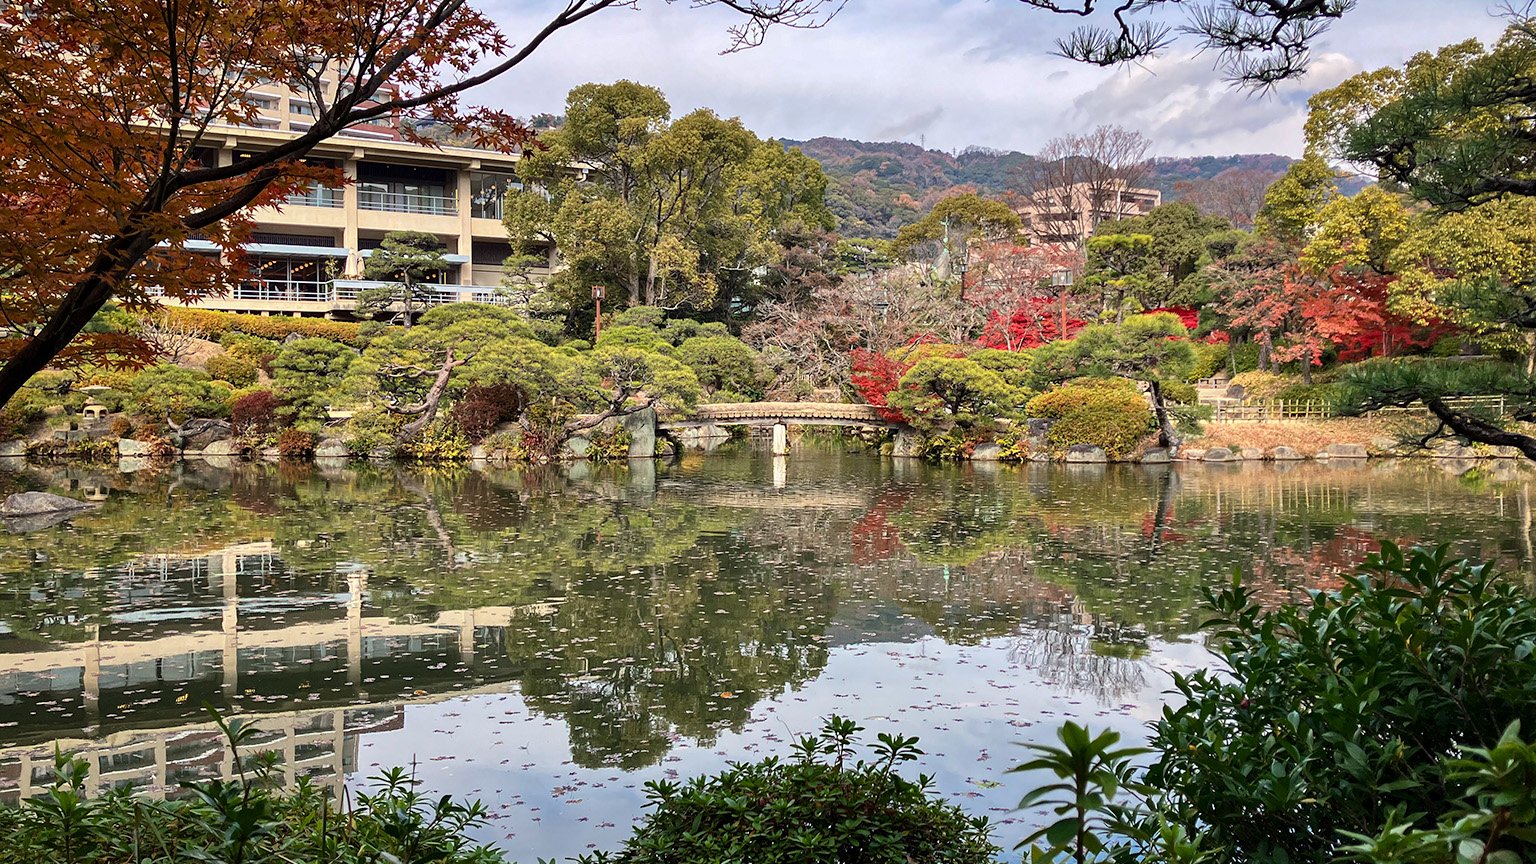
215,324
1110,415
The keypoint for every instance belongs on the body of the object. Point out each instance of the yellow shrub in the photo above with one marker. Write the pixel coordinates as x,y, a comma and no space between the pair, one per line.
1108,415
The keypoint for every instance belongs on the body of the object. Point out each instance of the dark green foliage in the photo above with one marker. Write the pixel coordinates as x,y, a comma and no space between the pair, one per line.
178,393
242,821
235,370
1339,713
724,365
822,806
1090,772
306,372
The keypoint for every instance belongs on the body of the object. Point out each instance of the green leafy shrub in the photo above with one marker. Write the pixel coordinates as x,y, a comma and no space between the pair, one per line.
609,445
1180,393
1210,358
178,393
723,364
1108,414
439,442
307,372
1339,711
952,446
822,806
373,430
28,406
1014,445
941,394
239,372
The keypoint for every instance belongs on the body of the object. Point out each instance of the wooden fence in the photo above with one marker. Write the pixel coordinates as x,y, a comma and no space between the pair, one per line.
1270,410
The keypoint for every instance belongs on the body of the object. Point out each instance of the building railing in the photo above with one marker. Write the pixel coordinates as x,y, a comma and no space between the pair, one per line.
407,202
322,197
346,291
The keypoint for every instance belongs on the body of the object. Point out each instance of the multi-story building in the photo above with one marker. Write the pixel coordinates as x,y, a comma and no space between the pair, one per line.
306,257
1067,215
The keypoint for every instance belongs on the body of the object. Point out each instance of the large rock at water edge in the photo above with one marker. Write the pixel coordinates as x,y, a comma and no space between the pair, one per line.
1086,453
12,449
905,445
988,452
332,448
40,503
224,447
1156,456
1283,453
1251,454
641,427
131,447
1192,454
1218,454
1347,451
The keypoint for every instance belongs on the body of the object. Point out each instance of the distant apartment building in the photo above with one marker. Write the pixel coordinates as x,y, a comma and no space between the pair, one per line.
1067,215
306,257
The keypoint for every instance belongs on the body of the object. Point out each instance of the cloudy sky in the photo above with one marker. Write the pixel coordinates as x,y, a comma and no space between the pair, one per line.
952,73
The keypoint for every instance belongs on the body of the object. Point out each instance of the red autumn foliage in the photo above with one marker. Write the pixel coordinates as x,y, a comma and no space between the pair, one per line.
876,376
1187,316
1032,323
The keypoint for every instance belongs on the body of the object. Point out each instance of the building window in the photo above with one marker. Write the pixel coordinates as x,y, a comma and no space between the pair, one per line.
287,277
405,189
262,101
306,109
488,193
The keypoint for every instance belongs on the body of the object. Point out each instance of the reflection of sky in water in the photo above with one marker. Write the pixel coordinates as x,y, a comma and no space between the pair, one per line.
970,706
548,640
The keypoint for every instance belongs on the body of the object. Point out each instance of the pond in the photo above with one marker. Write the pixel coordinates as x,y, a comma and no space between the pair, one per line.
549,639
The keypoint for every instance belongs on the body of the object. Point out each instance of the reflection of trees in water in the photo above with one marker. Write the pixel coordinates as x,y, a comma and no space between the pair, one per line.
1101,658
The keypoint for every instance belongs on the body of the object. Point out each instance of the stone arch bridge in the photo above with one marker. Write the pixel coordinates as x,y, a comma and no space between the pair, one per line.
779,416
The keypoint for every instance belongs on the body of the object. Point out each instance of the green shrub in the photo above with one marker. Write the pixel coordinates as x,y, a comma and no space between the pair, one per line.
178,393
28,406
822,806
1108,414
723,364
239,372
1210,358
307,372
1013,445
610,445
373,430
942,394
1331,720
439,442
952,446
255,350
1177,392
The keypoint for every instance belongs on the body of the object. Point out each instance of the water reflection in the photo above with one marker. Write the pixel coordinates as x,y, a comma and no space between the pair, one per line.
608,626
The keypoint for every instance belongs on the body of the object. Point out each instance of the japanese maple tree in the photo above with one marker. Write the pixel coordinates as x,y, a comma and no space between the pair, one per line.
114,107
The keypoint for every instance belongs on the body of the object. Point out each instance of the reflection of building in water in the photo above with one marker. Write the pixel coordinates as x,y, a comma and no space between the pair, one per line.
320,745
238,629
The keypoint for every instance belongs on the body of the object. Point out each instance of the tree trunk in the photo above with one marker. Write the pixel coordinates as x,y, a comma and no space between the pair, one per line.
410,291
1530,352
650,280
1306,371
1167,436
83,300
634,287
433,399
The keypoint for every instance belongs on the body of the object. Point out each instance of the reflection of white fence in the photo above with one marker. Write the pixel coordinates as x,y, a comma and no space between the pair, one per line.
1270,410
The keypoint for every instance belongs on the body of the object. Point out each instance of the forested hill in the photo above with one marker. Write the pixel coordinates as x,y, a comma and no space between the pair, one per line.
878,187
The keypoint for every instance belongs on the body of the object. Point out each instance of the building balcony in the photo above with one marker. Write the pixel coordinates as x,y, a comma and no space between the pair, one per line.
407,202
346,291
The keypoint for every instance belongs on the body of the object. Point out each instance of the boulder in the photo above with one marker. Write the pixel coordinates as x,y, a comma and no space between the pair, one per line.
130,447
24,504
1192,454
221,448
1252,454
1080,453
131,464
1453,451
1347,451
382,454
577,447
332,448
271,453
478,453
1218,454
1503,452
1283,453
641,427
905,445
1156,456
987,452
199,433
12,449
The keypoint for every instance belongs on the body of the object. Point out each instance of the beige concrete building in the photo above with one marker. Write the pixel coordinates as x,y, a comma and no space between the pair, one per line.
306,257
1068,215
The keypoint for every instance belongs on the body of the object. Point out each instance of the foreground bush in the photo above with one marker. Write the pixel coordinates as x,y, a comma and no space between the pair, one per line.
242,820
1340,719
819,807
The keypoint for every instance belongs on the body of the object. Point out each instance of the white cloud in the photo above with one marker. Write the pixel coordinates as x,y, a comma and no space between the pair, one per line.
951,72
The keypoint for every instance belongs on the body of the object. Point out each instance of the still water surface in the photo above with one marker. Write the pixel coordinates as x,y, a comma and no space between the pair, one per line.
548,640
